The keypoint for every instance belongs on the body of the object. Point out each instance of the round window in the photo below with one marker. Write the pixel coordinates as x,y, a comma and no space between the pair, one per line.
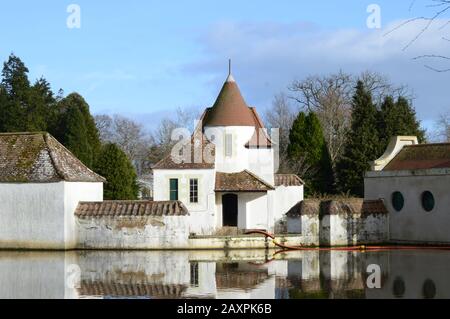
429,289
399,288
428,201
398,201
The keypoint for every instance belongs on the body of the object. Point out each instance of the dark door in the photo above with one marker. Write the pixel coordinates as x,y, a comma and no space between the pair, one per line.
230,210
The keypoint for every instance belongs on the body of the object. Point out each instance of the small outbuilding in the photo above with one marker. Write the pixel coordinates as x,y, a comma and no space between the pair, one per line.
41,184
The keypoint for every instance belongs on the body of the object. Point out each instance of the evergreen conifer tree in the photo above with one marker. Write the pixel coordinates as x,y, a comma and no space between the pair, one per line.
120,174
73,135
307,145
398,119
363,143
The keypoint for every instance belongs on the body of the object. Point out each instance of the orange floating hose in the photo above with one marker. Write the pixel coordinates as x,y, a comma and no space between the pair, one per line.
286,248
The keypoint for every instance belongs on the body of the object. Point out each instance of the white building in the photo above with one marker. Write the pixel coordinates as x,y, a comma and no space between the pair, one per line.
414,182
41,184
225,172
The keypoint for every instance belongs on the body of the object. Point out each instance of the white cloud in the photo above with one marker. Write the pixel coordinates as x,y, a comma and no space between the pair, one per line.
267,57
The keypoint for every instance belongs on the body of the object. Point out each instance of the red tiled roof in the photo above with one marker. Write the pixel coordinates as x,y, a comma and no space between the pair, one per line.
311,207
288,180
120,289
424,156
230,108
199,149
130,208
40,158
241,182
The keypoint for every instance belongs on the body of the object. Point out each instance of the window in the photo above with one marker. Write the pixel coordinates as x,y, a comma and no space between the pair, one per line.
174,189
429,289
228,145
399,287
428,201
193,190
398,201
194,274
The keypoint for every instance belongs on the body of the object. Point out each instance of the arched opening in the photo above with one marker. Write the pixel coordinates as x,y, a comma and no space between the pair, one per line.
230,210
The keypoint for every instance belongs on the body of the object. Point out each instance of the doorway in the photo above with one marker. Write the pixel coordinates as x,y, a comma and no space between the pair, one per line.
230,210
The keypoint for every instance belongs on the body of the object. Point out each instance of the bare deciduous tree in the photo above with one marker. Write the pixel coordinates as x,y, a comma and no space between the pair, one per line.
440,15
281,116
443,125
162,135
129,136
330,97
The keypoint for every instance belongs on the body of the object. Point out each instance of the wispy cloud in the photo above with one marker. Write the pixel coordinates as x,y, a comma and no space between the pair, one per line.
267,57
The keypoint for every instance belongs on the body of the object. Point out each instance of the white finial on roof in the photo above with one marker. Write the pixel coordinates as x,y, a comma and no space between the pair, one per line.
230,77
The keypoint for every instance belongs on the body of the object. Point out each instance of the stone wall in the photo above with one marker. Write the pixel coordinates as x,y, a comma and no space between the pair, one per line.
133,232
346,222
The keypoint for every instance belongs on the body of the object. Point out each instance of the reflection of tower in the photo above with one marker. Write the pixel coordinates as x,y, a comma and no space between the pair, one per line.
202,280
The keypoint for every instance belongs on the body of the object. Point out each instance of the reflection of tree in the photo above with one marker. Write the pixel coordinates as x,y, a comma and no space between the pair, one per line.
439,10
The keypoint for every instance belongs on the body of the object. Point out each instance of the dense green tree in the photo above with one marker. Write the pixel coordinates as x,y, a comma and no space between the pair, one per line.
363,144
73,135
16,88
309,154
91,129
24,107
120,174
75,123
398,119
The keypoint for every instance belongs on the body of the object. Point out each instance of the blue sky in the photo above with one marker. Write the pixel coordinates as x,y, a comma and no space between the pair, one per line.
146,58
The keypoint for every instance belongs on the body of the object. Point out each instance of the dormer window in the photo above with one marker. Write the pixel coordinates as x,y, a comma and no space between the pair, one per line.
228,145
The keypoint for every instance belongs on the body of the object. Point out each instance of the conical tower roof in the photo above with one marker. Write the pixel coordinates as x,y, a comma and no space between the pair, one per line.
230,108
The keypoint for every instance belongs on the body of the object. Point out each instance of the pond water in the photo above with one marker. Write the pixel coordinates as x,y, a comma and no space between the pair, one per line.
225,275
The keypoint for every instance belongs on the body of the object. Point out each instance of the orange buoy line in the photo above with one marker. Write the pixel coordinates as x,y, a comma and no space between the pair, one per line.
286,248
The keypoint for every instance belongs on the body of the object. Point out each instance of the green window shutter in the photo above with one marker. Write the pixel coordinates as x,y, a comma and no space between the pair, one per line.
174,189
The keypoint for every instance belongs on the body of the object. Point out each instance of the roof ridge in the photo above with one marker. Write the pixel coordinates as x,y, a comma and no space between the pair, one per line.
23,133
52,158
429,144
59,170
259,178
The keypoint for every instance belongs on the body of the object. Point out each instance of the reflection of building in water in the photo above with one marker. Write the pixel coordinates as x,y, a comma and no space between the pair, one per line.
416,275
159,275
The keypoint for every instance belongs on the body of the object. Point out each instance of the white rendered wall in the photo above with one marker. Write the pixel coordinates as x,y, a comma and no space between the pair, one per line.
73,194
413,223
41,216
153,232
285,198
258,161
257,211
32,216
202,218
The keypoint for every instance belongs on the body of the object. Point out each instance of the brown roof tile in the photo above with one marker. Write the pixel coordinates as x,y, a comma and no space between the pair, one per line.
230,108
198,148
40,158
241,182
424,156
130,208
120,289
311,207
288,180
